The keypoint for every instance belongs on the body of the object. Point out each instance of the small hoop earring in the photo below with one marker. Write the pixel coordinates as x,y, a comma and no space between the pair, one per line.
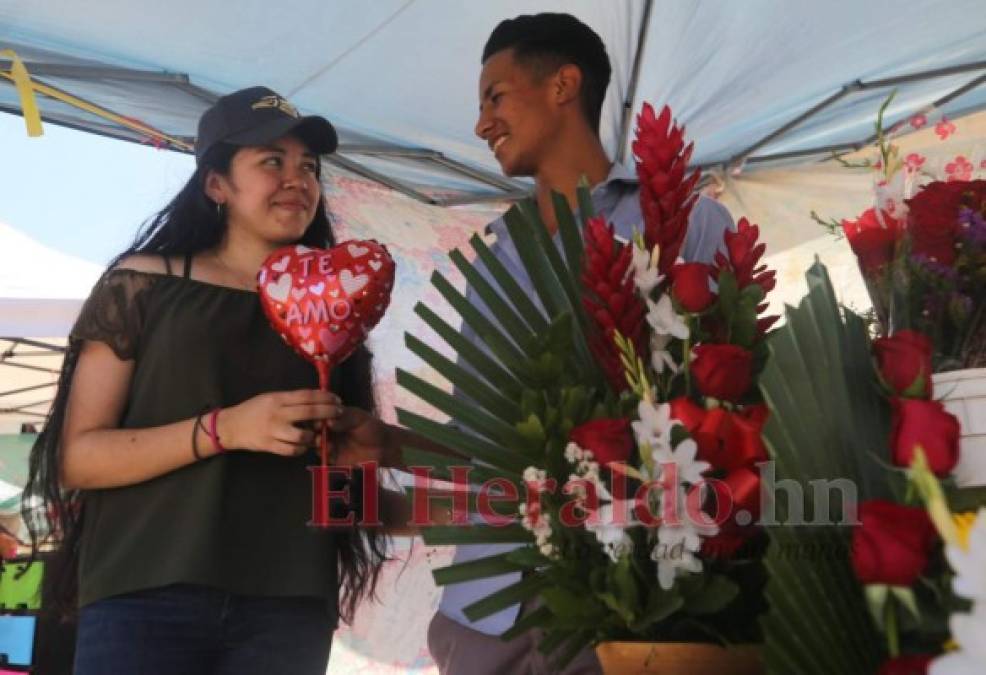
219,210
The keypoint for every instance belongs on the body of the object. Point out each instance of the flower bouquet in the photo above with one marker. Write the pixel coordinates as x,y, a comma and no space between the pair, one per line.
868,588
922,252
614,421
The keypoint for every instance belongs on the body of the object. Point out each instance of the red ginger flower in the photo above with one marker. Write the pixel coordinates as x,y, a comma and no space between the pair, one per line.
610,299
666,198
744,253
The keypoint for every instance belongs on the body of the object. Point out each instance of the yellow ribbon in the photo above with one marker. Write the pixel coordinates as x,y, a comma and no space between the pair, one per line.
22,82
94,109
26,87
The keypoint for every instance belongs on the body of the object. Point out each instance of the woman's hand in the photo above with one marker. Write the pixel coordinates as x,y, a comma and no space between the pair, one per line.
279,422
357,437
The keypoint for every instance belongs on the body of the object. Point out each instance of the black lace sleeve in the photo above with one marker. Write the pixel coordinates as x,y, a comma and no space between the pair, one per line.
115,311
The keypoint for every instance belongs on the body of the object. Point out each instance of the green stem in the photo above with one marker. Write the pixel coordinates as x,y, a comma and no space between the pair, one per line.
687,356
890,619
972,330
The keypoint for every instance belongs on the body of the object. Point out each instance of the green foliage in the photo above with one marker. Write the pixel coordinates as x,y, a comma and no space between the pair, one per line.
827,421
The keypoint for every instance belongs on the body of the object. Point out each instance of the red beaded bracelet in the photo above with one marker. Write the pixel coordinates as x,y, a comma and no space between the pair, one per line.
213,417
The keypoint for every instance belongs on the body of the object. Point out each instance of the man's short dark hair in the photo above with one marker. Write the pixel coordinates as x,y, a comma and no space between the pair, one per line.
546,42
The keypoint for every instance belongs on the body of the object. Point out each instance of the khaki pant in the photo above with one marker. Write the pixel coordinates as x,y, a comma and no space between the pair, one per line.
459,650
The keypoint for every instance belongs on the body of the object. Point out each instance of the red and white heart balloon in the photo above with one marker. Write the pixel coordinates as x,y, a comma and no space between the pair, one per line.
324,302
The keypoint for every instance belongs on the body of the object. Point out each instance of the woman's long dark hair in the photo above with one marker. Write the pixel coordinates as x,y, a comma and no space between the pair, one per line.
190,223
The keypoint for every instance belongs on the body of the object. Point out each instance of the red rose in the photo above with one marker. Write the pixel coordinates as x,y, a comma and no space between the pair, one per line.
911,664
924,423
905,362
726,543
609,440
728,440
892,543
691,286
933,216
873,242
738,493
722,371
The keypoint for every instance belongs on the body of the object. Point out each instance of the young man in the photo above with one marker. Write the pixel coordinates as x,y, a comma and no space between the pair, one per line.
541,92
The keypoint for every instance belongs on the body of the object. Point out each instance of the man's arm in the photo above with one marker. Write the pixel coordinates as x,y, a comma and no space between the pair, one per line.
398,437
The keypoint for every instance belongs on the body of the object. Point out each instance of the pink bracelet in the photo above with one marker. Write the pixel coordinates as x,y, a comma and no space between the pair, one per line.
213,417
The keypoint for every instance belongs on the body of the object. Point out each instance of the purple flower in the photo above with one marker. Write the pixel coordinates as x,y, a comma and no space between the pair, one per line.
973,226
945,272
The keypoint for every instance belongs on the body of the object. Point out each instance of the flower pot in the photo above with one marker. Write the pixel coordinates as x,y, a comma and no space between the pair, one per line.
678,658
963,392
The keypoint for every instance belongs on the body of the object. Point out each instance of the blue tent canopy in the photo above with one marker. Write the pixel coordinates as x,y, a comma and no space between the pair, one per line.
756,82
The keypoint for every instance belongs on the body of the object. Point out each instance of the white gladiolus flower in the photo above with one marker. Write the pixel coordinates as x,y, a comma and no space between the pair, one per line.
671,561
683,456
609,525
644,270
968,630
677,543
654,424
660,357
664,320
970,563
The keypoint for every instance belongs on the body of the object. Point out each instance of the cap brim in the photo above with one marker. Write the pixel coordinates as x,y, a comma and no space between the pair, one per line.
317,132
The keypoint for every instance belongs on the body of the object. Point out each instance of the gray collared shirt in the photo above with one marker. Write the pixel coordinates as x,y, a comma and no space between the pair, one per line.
617,198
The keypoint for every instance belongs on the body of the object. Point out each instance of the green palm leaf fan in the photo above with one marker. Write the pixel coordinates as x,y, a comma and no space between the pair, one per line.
532,353
828,423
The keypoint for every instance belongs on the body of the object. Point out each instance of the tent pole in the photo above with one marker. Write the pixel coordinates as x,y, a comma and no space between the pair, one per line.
925,75
53,371
198,92
632,85
811,112
21,410
104,131
11,392
951,96
33,343
386,151
852,87
484,198
480,175
77,72
854,145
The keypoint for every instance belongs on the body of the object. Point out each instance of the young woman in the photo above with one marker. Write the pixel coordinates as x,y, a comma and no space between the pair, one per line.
173,463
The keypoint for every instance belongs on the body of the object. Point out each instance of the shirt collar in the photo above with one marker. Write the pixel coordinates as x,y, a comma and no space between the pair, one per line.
617,174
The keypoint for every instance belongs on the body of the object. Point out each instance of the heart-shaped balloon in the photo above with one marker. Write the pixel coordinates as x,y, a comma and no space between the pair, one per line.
324,302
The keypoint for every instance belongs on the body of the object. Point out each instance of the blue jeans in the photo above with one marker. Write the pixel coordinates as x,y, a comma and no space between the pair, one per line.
195,630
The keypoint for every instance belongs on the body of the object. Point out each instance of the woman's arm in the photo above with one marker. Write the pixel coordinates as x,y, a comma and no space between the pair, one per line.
398,437
95,453
360,437
98,454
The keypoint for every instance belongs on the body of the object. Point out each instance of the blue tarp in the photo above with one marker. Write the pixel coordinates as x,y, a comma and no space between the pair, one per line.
405,72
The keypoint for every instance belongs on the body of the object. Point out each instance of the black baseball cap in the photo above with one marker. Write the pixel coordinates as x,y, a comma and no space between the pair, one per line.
258,115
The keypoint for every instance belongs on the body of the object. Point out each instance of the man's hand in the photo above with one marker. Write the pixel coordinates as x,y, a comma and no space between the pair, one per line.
358,437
